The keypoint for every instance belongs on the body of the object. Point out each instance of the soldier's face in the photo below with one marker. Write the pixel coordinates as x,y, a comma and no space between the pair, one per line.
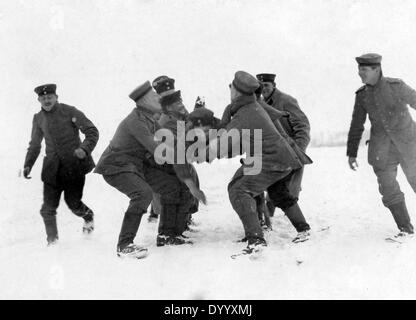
368,74
154,102
268,88
47,101
233,92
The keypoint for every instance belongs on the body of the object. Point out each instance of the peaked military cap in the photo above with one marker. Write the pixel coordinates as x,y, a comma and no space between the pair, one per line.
171,98
245,82
369,59
204,117
140,91
163,85
266,77
259,90
45,89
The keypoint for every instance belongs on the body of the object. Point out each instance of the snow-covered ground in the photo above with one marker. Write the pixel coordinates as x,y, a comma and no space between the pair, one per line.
350,260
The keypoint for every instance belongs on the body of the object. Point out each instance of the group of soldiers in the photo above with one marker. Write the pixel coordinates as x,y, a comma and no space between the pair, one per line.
131,165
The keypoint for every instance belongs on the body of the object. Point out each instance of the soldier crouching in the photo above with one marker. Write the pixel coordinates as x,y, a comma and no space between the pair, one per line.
128,165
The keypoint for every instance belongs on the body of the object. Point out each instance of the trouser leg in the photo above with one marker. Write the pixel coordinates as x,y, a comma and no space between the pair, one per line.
51,196
392,196
401,217
296,217
388,186
140,195
176,200
284,194
242,189
73,191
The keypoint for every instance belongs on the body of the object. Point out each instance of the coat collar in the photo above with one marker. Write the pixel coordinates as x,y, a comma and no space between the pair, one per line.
378,84
274,96
240,102
54,108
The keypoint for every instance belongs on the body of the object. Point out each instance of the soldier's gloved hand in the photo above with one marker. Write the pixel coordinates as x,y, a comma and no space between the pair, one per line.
352,161
80,153
200,102
26,172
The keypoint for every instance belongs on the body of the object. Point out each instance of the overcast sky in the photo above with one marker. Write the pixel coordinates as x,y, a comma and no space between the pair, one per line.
98,51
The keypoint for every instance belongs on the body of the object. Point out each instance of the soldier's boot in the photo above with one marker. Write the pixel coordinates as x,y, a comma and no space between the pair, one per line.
401,217
51,230
255,245
171,240
81,210
152,215
296,217
132,251
88,226
169,226
270,206
129,228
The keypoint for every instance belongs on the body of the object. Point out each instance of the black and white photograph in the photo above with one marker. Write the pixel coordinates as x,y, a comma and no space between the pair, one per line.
208,150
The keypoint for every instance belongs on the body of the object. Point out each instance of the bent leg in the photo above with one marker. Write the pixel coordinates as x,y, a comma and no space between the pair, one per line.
242,189
51,197
140,195
387,184
73,192
284,194
176,200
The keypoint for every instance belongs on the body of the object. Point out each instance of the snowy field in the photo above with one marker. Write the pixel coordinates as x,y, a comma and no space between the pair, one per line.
351,260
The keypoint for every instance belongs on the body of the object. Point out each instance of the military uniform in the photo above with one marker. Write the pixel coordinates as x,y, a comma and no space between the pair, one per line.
128,165
173,110
278,158
62,171
297,126
393,136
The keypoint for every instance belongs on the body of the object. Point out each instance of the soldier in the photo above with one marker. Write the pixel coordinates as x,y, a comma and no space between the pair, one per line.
297,127
67,159
277,158
173,111
393,134
128,164
282,190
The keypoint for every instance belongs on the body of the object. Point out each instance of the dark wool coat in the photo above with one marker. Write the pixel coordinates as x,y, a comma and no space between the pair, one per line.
297,125
60,127
386,106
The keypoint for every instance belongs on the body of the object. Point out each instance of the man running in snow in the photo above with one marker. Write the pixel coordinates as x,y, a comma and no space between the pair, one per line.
67,159
393,134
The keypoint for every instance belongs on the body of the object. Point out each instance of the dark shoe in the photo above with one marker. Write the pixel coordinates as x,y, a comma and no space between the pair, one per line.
132,251
404,234
165,240
52,242
88,226
243,240
255,245
302,236
51,229
153,217
401,217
